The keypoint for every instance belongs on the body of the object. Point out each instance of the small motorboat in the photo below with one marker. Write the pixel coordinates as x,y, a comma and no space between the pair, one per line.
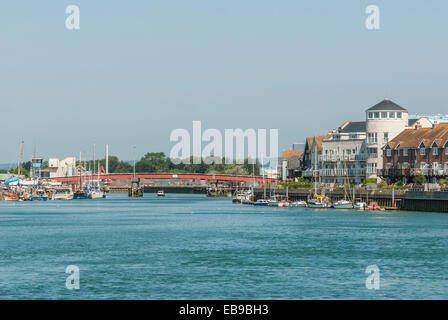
81,194
63,194
298,204
360,206
40,195
160,193
261,202
283,204
342,204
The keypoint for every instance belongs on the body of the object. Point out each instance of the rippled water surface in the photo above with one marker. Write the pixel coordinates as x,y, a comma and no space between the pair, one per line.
193,247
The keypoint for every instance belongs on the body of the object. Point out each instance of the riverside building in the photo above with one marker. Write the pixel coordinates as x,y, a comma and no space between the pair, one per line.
417,151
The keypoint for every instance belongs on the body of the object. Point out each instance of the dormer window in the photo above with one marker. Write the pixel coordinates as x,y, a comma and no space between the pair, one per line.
435,151
389,152
422,151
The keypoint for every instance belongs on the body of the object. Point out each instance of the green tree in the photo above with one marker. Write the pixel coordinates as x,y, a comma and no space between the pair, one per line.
419,180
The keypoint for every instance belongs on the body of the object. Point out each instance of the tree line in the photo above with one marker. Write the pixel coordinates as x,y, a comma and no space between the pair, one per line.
159,162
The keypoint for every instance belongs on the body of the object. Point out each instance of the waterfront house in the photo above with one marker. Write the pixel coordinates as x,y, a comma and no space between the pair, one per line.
417,151
343,158
311,153
384,121
291,163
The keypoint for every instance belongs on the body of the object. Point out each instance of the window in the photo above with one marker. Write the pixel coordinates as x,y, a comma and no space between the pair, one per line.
446,150
405,165
435,151
376,115
399,115
389,152
405,151
422,165
388,165
422,151
386,137
392,115
373,137
370,115
384,115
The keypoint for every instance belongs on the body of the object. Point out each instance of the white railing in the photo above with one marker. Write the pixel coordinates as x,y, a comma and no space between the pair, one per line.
336,158
342,172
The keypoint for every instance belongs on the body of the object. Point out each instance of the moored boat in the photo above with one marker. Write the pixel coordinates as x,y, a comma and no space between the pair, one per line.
81,194
63,194
160,193
342,204
360,205
298,204
261,202
40,195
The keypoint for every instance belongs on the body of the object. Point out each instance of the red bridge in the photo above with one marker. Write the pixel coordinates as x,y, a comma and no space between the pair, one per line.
220,177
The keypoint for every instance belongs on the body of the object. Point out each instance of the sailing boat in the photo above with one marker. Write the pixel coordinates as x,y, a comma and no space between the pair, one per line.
344,203
95,191
318,201
81,193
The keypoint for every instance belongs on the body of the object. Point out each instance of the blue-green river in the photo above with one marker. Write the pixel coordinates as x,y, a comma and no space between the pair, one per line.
193,247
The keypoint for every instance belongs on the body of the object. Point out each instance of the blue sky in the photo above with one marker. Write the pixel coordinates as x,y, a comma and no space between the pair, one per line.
136,70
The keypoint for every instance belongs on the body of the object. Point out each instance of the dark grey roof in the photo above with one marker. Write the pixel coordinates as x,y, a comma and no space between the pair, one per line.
386,105
354,126
411,122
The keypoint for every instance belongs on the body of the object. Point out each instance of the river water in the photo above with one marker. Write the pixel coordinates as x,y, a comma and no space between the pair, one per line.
193,247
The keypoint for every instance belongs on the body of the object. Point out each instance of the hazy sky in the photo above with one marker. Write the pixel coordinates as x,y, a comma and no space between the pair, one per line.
136,70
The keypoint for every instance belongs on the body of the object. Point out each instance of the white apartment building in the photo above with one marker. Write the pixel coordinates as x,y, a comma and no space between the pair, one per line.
62,168
384,121
343,157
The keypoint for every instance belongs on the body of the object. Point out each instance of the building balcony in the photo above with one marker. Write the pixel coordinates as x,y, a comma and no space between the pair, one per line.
410,172
337,158
342,172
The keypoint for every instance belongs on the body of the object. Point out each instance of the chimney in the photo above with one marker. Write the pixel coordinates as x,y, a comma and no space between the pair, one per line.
418,125
434,124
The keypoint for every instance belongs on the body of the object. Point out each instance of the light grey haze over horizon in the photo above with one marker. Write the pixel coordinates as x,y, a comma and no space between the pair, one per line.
137,70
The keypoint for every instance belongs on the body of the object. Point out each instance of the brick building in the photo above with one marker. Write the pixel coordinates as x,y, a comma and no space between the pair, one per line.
417,151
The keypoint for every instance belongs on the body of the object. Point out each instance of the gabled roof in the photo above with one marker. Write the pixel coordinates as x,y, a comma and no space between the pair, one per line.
310,142
412,138
353,126
387,105
291,153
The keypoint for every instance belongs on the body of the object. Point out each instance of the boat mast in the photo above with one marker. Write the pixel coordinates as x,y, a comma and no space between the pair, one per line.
80,171
262,169
19,167
134,162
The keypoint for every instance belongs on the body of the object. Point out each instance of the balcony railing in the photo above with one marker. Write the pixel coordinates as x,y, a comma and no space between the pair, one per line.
342,172
412,172
337,158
